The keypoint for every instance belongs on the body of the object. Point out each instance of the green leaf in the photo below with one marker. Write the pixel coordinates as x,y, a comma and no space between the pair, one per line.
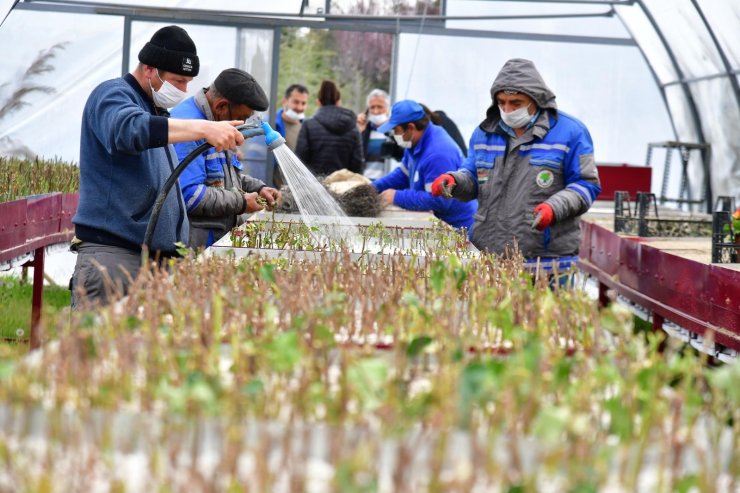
181,249
687,484
267,272
550,424
284,351
7,368
368,378
437,276
253,387
621,418
417,345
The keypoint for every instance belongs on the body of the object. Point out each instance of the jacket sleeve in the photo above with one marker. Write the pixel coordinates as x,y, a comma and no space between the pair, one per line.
219,202
466,178
122,125
251,184
397,179
357,161
247,183
202,200
581,178
193,178
423,200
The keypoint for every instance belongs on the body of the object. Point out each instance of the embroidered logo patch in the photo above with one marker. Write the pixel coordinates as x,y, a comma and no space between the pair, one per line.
483,175
544,178
187,64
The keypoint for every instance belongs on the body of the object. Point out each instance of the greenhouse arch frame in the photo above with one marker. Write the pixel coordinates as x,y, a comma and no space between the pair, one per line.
690,47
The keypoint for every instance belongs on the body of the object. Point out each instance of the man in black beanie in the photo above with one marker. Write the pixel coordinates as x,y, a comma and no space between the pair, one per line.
125,159
213,186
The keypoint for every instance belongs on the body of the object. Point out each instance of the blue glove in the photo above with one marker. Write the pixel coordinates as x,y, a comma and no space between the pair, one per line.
270,134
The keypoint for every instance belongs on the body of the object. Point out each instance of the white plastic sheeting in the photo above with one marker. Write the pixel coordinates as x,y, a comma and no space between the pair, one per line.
50,124
625,102
708,80
609,88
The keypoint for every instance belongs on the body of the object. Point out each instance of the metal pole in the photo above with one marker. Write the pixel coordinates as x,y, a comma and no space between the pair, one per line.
274,96
394,65
693,110
126,48
239,56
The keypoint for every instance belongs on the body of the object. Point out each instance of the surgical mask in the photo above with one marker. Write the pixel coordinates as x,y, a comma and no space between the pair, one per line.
293,115
517,118
168,95
406,144
377,120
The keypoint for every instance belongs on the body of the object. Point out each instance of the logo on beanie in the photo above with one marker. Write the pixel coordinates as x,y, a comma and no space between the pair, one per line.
545,178
187,64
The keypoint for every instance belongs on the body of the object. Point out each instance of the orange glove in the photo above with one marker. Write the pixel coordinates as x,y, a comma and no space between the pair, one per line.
443,185
545,216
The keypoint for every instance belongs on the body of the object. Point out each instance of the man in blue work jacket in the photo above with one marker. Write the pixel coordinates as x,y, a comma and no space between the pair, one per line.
531,166
429,152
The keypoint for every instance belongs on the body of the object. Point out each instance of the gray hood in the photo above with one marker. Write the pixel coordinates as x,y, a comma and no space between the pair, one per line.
520,75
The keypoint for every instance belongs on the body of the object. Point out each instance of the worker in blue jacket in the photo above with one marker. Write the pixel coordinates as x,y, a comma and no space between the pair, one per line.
126,157
429,152
531,166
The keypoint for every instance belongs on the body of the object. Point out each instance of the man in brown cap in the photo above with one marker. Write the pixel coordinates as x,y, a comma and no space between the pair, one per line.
213,186
125,159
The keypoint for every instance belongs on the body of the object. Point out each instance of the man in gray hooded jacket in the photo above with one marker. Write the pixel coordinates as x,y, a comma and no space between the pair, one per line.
530,166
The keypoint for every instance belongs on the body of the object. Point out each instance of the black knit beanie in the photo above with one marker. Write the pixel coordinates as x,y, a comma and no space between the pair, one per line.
171,50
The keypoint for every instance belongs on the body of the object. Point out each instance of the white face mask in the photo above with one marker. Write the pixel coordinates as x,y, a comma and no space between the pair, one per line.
293,115
406,144
517,118
168,95
377,120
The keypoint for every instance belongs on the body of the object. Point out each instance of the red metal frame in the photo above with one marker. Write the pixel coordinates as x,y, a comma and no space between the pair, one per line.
30,225
700,297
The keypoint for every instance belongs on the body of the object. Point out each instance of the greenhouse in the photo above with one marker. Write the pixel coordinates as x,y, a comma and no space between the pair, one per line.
338,331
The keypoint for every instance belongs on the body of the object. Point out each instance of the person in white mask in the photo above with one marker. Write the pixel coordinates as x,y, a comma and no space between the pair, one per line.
429,151
290,117
288,121
126,157
381,151
531,166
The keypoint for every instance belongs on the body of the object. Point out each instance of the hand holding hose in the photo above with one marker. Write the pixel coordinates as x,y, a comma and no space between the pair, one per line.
223,135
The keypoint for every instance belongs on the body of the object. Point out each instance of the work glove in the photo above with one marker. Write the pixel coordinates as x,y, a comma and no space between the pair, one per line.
544,216
443,185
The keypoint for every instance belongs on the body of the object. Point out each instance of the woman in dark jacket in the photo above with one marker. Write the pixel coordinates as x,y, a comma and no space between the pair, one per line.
330,140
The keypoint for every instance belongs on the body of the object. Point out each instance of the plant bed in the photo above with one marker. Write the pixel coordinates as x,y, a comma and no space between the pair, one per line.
384,237
229,375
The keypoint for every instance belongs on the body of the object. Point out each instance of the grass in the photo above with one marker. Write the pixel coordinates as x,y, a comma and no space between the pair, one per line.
15,305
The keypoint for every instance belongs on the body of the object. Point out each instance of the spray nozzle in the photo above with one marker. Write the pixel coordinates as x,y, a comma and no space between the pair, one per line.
272,138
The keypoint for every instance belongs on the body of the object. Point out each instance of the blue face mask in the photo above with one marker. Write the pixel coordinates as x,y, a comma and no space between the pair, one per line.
517,118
